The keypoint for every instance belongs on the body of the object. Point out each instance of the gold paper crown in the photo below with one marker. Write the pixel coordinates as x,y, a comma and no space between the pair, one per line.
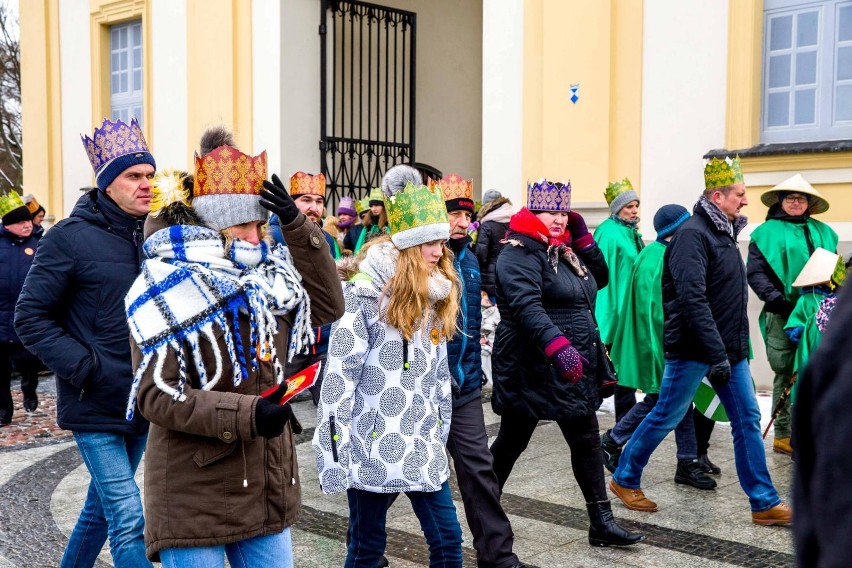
616,188
719,173
417,213
226,170
12,201
307,184
375,195
31,203
453,186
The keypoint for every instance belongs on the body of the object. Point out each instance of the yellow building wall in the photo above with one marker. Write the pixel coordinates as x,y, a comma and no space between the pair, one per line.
219,69
41,102
599,47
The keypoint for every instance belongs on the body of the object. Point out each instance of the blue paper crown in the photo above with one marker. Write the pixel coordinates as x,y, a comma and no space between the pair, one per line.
113,140
544,195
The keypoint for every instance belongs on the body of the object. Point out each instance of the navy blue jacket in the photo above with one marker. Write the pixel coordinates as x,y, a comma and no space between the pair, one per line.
464,354
16,257
322,332
71,313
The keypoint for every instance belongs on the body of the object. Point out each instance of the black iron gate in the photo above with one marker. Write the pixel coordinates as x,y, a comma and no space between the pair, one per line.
367,90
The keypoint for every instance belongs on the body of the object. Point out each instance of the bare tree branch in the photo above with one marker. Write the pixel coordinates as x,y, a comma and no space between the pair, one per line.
11,150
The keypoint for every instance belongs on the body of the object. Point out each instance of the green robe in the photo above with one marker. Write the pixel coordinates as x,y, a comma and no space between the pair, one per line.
785,248
804,316
637,350
620,245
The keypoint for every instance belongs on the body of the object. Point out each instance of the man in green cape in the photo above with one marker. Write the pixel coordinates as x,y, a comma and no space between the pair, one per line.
638,356
779,249
620,242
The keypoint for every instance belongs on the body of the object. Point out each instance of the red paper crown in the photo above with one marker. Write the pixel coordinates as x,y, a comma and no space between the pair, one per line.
227,170
307,184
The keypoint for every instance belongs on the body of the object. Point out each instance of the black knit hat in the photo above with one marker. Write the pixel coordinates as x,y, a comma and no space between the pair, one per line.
16,216
668,218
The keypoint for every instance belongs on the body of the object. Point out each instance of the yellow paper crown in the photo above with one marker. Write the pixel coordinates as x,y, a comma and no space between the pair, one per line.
307,184
616,188
375,195
417,215
227,170
719,173
11,201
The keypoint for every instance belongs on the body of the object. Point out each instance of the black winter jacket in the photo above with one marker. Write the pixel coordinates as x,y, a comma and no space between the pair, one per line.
464,354
16,258
488,244
536,305
71,313
705,291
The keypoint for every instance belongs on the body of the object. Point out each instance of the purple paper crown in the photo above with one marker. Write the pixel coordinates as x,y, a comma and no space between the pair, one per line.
112,140
548,196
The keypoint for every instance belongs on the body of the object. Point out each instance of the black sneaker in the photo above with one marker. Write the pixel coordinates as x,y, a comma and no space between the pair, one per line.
5,418
707,466
383,562
689,473
611,451
30,405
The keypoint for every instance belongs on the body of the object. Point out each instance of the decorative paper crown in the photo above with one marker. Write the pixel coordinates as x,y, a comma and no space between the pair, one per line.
376,195
347,206
12,201
547,196
417,215
839,274
307,184
618,194
114,148
719,173
458,192
32,204
227,186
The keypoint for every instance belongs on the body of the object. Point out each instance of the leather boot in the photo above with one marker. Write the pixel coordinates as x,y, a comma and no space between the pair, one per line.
610,450
707,466
604,531
689,472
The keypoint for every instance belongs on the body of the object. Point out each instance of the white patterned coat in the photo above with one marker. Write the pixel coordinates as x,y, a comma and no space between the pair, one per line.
382,427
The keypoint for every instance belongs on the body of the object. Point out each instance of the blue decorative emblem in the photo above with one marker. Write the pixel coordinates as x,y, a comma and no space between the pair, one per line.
575,93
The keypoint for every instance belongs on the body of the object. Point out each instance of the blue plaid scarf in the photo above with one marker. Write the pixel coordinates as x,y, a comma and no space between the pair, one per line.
190,285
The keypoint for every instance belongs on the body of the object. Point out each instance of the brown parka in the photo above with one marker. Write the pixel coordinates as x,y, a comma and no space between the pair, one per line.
209,478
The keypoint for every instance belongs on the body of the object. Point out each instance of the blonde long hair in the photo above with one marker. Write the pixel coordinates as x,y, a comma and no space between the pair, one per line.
407,292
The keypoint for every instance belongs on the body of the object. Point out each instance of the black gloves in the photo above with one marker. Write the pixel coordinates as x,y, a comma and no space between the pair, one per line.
270,419
719,374
780,306
274,196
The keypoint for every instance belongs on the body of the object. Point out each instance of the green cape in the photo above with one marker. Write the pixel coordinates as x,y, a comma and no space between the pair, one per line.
637,349
620,246
804,316
785,248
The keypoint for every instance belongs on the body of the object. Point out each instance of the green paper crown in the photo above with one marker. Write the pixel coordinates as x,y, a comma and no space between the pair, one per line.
375,195
719,173
10,202
839,274
616,188
414,209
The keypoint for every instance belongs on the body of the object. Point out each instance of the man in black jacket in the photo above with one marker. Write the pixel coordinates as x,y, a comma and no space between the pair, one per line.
706,334
71,314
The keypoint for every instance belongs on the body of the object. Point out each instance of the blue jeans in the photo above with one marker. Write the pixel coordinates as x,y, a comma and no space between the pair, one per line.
272,551
680,381
113,506
687,448
437,515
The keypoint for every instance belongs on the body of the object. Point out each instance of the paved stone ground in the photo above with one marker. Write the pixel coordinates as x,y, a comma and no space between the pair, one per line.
43,482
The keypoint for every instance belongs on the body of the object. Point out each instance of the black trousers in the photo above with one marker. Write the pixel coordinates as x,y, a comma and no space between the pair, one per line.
583,436
703,430
625,399
480,492
13,355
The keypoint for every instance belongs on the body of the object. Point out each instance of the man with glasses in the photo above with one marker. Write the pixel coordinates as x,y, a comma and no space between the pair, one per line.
778,251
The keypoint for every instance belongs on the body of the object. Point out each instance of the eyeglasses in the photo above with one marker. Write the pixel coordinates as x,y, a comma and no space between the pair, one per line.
794,199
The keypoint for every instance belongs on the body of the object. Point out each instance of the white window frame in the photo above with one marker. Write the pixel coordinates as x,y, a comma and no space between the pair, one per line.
825,126
126,71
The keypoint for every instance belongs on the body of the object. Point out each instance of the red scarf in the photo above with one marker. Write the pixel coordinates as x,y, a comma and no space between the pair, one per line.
526,223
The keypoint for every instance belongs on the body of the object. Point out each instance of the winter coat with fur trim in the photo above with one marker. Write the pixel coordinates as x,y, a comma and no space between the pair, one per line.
200,450
384,412
538,303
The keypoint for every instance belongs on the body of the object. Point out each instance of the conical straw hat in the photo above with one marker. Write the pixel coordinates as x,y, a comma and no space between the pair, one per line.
797,184
818,269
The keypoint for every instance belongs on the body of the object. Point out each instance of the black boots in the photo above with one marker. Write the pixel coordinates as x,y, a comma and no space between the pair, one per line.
707,466
611,451
604,531
690,472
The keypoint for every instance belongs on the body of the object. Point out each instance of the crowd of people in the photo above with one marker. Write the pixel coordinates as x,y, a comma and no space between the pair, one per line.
172,306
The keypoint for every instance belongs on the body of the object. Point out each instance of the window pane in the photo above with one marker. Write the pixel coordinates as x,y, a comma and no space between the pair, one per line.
137,58
781,33
137,80
779,71
807,26
806,68
778,113
844,63
137,34
806,106
123,84
844,28
114,61
122,60
843,102
113,38
114,83
122,34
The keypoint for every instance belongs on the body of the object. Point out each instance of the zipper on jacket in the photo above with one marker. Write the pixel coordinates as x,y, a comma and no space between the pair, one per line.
332,430
463,293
